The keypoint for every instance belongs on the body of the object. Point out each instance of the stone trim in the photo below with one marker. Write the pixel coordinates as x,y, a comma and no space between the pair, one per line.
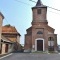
36,43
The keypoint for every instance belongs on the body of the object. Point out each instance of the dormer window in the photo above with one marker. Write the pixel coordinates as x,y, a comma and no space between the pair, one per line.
39,11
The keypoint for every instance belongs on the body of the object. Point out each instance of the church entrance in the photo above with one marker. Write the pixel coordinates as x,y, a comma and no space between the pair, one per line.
39,45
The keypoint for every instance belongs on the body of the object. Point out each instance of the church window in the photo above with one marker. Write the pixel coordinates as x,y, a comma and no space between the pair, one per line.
50,43
39,32
39,11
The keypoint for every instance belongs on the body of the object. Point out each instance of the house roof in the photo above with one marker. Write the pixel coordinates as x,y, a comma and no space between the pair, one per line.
6,39
8,29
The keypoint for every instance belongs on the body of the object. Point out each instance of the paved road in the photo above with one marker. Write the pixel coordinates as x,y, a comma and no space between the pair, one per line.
32,56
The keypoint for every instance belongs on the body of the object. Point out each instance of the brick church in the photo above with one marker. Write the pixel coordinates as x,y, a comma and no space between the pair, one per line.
40,36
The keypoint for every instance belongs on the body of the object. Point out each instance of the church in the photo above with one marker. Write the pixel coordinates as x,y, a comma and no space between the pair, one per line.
40,36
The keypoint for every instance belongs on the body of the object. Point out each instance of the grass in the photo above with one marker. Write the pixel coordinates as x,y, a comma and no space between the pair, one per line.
44,52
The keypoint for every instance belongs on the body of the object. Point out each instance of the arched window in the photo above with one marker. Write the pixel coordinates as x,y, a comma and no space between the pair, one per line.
50,43
39,32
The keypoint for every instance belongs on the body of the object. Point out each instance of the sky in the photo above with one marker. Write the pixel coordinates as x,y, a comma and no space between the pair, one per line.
18,13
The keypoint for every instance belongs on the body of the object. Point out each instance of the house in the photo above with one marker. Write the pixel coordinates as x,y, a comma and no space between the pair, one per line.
9,38
11,33
6,45
40,36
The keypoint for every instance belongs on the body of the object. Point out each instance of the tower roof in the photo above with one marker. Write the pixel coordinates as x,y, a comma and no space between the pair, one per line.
39,5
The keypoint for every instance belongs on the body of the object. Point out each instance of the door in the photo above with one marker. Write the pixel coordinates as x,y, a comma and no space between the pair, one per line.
6,48
39,45
1,49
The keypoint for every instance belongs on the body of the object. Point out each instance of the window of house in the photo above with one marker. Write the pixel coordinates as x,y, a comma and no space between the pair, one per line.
1,40
39,11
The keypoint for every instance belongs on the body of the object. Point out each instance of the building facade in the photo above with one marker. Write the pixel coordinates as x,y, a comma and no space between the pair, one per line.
11,33
40,36
9,38
6,45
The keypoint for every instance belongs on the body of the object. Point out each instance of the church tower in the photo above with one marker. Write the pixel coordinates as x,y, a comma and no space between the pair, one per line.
39,13
40,36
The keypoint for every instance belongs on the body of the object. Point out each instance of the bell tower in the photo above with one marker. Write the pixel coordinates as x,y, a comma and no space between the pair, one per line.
39,13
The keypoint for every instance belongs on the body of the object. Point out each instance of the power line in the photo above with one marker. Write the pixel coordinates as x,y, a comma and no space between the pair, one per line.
53,8
23,2
6,21
47,6
35,2
32,1
53,12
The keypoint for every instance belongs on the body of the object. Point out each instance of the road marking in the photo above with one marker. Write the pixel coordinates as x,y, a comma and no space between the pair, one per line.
6,56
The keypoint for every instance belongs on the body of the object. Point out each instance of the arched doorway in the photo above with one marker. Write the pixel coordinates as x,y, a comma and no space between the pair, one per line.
39,44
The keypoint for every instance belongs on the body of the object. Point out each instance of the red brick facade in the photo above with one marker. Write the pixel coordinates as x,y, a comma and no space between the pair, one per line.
40,31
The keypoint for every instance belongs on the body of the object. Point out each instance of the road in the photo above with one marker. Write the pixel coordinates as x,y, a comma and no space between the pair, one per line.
32,56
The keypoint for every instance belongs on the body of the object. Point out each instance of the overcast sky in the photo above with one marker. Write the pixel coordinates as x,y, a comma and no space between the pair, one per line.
19,14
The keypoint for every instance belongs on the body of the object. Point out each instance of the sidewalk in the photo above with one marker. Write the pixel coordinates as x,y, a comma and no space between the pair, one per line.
5,55
1,55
